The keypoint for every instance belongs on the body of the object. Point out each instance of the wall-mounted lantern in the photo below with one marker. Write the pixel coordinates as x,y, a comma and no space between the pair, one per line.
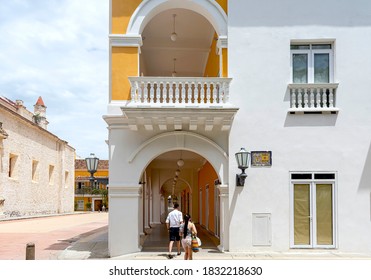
243,159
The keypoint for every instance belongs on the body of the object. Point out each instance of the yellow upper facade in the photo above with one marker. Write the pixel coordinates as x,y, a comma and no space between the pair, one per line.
137,59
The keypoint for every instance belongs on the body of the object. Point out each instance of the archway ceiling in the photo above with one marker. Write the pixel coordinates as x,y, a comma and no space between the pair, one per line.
191,49
167,164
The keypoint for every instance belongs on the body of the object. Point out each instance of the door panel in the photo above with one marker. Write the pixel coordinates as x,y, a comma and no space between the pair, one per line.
302,214
324,215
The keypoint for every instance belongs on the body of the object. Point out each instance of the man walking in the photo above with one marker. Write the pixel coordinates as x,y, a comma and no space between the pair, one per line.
173,221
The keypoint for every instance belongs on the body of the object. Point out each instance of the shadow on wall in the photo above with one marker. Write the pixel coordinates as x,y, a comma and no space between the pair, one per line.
364,183
280,13
296,120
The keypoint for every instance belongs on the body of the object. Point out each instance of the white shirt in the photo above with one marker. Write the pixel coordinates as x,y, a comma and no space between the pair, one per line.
175,217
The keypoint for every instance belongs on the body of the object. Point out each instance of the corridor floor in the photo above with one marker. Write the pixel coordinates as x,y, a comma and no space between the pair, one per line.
158,239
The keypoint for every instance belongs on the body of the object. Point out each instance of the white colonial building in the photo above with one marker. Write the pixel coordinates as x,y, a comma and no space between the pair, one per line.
191,82
36,167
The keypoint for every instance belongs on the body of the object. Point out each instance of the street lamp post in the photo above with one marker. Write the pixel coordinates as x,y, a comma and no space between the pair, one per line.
92,166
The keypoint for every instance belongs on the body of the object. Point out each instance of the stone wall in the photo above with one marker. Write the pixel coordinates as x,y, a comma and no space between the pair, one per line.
42,169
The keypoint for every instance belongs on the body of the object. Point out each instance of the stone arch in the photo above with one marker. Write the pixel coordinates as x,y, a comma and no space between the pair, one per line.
170,141
210,9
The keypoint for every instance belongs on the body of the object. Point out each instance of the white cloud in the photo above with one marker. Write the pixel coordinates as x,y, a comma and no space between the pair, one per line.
59,50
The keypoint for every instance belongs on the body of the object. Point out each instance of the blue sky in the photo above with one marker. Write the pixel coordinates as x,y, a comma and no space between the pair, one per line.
58,49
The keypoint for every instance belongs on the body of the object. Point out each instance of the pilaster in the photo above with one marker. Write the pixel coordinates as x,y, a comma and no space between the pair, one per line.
224,217
124,219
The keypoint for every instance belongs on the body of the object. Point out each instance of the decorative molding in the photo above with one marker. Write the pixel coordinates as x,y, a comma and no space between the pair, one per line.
223,190
222,42
120,191
124,40
177,134
210,9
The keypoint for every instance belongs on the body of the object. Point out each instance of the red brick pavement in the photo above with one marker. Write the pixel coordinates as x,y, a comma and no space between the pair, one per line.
51,235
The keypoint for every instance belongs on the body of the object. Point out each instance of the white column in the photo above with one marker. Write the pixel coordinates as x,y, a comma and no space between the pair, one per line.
141,213
123,232
156,198
146,199
224,218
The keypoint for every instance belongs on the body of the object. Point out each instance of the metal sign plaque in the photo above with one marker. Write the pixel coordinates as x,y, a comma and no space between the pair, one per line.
261,158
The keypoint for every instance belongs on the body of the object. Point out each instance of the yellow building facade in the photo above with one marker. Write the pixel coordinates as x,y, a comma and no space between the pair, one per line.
91,195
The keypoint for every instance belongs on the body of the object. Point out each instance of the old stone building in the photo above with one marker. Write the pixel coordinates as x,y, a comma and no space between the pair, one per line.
36,167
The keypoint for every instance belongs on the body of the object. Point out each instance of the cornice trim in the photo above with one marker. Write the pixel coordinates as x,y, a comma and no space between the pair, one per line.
124,40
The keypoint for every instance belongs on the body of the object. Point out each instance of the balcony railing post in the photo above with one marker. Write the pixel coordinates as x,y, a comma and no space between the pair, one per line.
208,95
331,98
190,86
196,98
158,92
225,91
318,98
311,98
183,92
215,94
202,94
145,93
151,92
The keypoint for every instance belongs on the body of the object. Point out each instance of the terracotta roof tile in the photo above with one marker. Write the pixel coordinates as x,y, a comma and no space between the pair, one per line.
80,164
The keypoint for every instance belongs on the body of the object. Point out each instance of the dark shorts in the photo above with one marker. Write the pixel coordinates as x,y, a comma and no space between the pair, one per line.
174,234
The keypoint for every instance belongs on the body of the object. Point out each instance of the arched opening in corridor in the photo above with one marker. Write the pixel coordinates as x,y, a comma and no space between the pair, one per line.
187,178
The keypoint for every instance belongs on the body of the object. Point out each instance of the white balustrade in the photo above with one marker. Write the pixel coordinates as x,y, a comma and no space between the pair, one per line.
170,91
312,97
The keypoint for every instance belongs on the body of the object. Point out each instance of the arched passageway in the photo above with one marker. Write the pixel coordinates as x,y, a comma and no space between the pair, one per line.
185,177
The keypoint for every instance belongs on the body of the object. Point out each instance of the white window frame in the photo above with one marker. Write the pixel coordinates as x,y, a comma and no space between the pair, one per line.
80,204
311,52
313,234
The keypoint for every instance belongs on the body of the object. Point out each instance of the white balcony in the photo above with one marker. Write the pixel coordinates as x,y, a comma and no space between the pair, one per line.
313,98
173,103
192,92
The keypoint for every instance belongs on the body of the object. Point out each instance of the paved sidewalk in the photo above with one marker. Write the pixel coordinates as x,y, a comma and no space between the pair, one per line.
51,235
85,236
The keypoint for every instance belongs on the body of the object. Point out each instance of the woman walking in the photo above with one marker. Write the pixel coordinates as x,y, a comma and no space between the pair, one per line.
188,229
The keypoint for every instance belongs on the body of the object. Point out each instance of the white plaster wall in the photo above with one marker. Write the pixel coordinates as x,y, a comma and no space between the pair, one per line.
23,196
259,62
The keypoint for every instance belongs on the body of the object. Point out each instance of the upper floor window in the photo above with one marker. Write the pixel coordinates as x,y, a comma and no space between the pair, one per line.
311,63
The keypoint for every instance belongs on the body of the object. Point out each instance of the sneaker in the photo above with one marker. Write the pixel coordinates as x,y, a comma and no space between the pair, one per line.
169,256
179,253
